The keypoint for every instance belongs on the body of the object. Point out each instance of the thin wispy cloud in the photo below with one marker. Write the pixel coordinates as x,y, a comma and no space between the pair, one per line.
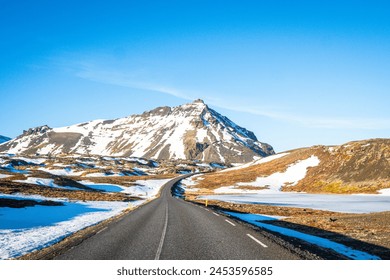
126,80
320,122
132,81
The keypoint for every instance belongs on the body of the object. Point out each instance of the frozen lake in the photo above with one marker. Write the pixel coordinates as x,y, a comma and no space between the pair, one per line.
330,202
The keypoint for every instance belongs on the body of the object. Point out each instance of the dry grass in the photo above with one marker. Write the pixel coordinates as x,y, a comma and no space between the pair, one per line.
8,187
339,187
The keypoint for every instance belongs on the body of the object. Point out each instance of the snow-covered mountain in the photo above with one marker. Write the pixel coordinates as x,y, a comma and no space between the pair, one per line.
4,139
190,131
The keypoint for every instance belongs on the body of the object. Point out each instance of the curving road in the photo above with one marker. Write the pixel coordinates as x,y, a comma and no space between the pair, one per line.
170,228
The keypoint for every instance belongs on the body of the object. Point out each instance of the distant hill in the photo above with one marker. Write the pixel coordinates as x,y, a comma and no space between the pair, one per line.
355,167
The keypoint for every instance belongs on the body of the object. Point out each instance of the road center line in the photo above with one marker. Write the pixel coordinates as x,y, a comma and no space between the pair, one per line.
163,235
230,222
258,241
216,214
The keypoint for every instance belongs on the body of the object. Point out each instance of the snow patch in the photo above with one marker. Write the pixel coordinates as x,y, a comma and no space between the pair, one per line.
2,176
67,171
292,176
384,192
32,160
256,162
43,182
146,189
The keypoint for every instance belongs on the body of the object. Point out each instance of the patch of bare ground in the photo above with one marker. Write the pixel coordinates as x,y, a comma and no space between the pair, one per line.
366,232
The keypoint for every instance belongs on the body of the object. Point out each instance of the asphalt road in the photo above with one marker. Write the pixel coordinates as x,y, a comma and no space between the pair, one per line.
170,228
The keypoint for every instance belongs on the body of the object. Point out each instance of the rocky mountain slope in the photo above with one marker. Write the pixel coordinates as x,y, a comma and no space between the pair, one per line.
355,167
191,131
4,139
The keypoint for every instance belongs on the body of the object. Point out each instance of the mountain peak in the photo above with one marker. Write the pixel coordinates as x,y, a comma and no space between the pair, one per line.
38,129
198,101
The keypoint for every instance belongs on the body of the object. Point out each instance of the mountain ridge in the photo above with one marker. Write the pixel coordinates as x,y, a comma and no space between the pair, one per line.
190,131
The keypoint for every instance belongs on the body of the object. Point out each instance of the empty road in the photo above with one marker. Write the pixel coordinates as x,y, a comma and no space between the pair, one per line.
170,228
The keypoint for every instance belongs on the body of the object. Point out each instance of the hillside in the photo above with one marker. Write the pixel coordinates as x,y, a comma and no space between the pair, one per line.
355,167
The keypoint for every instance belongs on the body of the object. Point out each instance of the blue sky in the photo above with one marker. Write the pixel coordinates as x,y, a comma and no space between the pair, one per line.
297,73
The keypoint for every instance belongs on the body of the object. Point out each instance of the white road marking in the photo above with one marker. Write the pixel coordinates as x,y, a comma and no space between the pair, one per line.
163,235
258,241
230,223
101,230
206,209
215,214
